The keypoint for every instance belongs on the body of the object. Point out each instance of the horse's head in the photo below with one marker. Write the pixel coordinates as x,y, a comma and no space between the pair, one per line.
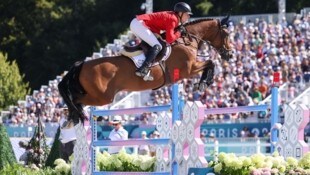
224,47
214,32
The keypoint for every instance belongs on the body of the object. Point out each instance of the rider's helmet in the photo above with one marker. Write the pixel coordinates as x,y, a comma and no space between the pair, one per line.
182,7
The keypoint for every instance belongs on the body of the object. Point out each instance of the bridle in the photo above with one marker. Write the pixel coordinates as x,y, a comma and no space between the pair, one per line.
223,51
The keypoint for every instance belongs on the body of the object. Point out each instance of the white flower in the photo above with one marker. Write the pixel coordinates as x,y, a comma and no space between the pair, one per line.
228,162
282,168
147,163
210,163
137,161
63,168
274,171
104,159
34,167
291,161
305,161
221,156
258,160
218,168
122,155
307,171
268,164
236,164
275,154
247,161
67,168
59,161
116,161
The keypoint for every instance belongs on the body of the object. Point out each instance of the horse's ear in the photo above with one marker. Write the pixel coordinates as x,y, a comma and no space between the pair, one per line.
225,20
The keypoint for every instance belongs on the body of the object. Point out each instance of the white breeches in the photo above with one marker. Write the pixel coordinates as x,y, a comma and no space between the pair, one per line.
143,33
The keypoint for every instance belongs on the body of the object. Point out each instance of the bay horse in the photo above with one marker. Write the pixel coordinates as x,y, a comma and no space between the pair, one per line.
97,81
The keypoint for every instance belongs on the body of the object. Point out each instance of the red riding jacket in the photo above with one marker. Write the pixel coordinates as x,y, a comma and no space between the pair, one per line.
165,20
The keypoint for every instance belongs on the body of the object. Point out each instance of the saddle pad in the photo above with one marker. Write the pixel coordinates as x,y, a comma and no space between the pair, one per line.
138,57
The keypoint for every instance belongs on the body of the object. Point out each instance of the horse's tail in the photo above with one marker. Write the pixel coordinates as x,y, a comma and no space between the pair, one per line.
70,90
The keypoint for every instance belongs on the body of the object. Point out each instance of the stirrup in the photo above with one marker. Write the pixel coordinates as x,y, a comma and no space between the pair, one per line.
142,72
148,76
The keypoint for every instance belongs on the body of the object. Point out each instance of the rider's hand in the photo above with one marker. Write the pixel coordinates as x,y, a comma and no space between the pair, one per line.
182,30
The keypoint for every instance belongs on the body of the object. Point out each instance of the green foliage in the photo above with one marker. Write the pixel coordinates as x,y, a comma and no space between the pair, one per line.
12,87
204,6
55,152
20,169
47,36
7,156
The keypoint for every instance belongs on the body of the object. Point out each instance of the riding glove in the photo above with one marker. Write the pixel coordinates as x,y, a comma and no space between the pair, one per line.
182,30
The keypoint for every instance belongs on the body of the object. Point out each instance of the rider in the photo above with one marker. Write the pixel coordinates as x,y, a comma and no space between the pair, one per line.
144,26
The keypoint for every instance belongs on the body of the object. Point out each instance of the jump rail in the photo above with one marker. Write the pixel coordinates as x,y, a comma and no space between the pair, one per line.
130,142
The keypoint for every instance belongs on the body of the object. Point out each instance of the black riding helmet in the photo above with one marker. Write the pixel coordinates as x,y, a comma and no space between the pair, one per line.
182,7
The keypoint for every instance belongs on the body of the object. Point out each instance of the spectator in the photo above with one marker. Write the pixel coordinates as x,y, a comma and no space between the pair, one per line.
155,135
143,149
118,133
211,137
24,157
67,136
305,66
244,133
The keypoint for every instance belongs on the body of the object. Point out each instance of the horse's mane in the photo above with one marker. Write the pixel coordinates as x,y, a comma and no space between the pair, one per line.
198,21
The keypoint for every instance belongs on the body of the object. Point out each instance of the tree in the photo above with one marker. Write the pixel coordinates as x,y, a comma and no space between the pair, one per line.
55,152
204,6
12,87
7,156
38,147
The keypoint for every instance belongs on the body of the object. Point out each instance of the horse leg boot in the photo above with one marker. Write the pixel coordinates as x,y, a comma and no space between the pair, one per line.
150,56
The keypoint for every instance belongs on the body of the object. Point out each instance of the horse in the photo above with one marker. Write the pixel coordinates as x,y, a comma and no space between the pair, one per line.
97,81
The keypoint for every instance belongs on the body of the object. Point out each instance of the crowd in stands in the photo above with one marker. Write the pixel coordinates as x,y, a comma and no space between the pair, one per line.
45,103
260,48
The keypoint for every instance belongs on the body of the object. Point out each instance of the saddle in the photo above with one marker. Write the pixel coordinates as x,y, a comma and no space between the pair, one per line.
136,52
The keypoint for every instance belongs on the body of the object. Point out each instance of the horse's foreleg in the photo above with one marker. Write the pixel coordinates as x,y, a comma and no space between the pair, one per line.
206,78
198,66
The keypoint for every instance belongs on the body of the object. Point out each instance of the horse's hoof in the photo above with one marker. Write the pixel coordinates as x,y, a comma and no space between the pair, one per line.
202,86
210,82
196,87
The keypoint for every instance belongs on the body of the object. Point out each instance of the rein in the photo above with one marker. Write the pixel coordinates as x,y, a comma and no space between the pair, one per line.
190,36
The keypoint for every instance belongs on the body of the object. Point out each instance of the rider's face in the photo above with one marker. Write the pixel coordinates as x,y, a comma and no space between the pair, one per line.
185,17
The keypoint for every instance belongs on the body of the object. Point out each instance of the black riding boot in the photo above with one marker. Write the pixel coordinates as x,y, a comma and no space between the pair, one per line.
149,57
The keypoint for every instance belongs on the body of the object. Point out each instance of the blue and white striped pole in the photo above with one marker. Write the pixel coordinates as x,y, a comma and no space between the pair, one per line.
175,115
